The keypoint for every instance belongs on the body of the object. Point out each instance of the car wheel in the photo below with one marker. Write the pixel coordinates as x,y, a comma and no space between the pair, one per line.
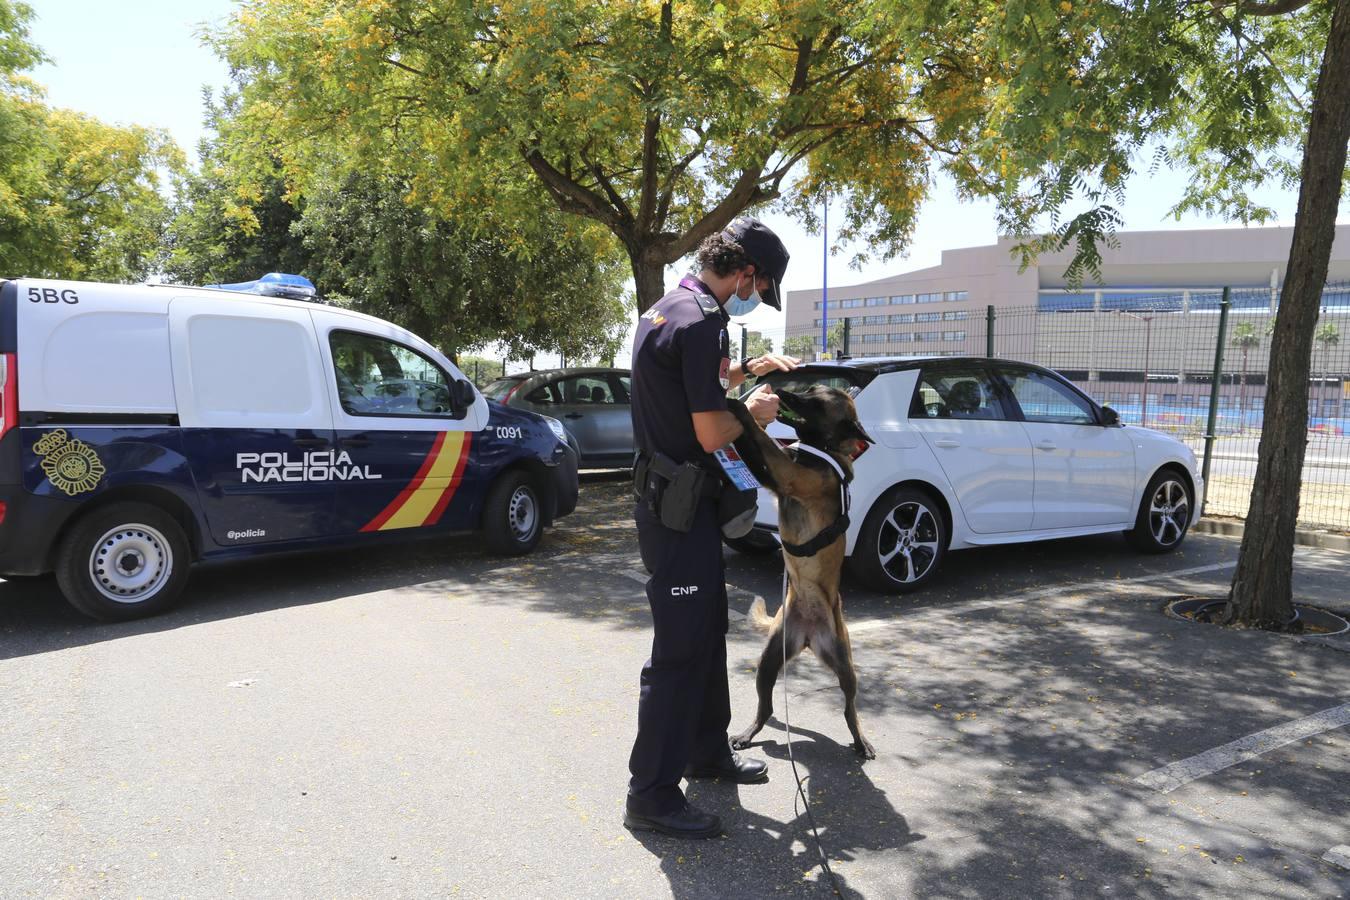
124,561
1164,514
902,542
752,544
513,517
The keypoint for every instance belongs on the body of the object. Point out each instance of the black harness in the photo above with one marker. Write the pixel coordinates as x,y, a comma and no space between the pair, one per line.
830,533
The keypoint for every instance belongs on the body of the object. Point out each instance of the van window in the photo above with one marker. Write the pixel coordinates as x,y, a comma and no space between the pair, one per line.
130,353
250,364
378,377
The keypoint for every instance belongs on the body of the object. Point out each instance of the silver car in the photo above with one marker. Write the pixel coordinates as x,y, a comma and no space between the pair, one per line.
592,404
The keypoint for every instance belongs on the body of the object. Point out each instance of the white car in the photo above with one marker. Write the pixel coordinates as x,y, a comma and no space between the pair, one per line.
973,452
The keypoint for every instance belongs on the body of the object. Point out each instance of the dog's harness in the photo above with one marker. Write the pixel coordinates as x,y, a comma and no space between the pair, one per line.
830,533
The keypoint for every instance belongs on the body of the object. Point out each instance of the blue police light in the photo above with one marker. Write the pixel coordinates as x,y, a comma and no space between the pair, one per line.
274,284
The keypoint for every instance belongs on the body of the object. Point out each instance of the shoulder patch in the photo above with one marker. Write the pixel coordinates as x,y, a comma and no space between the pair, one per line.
707,303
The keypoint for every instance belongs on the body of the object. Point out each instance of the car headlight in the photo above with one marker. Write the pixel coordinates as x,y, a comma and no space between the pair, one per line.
557,428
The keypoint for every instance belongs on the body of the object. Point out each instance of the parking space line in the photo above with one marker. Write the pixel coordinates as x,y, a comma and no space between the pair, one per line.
970,606
1338,856
1170,777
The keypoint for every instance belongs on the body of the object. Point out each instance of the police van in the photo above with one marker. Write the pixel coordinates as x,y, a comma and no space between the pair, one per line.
145,427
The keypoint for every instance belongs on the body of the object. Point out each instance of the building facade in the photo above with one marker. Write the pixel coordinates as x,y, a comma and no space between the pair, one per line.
1144,337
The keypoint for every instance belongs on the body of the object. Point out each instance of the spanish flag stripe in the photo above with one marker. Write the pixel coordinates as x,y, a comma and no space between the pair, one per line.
455,480
377,523
418,507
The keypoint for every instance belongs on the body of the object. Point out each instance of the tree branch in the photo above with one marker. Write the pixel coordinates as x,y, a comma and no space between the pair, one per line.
573,197
1271,7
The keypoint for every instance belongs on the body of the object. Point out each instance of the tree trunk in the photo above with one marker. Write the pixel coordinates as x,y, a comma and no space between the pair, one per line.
1262,590
649,276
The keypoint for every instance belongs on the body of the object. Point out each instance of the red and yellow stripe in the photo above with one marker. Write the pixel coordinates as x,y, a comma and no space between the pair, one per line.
425,498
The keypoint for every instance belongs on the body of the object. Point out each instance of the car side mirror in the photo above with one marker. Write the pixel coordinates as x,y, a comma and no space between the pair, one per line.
463,394
1110,418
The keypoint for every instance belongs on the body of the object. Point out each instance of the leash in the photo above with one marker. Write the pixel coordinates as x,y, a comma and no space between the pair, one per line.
801,782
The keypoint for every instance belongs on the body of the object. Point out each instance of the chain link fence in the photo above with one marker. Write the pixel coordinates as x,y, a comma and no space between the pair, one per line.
1160,359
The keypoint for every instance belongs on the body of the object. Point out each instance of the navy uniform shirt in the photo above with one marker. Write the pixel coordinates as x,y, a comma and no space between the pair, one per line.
680,366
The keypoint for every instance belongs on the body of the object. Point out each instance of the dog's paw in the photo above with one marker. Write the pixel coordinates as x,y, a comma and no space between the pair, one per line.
863,747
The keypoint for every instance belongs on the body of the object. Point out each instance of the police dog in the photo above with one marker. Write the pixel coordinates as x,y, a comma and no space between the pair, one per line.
809,502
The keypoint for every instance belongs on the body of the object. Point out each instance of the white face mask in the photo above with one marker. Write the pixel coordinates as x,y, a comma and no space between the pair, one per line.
738,305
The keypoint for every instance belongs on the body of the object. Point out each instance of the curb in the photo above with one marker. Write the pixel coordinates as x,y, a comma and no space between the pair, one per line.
1304,537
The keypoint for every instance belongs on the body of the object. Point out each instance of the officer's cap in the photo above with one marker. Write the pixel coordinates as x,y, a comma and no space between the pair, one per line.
765,250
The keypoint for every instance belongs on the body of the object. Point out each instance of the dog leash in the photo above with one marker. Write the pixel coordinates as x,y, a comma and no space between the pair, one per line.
787,727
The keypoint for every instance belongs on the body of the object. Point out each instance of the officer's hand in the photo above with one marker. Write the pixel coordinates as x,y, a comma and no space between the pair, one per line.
771,362
762,404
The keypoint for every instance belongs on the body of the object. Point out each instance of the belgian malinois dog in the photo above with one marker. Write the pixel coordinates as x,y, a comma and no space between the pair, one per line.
810,518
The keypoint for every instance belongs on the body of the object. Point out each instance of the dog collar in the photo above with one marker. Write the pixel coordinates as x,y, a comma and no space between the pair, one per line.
830,533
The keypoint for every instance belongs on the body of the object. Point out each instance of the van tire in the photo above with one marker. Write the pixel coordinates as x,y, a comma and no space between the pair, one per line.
513,515
144,539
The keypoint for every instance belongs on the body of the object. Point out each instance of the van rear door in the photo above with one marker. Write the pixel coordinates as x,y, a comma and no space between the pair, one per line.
257,427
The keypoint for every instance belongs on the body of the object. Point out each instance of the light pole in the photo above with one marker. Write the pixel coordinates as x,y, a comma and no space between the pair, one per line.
1148,346
824,272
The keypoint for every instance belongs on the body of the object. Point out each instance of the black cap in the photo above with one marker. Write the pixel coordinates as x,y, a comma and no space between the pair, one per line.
766,251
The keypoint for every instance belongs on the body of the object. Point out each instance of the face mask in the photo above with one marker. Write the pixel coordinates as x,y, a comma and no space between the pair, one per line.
739,306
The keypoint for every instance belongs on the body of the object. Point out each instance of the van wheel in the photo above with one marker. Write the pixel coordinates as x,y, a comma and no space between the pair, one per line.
902,542
513,517
123,561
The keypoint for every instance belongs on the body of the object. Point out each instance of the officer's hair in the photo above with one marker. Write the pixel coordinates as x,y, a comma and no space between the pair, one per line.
721,254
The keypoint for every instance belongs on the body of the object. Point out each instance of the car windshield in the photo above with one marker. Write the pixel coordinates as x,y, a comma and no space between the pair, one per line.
498,389
842,377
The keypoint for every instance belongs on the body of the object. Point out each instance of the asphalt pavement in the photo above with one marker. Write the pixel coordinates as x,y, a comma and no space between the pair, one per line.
426,720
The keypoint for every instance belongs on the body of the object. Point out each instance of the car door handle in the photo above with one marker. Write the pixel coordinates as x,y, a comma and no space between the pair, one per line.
946,442
311,442
572,415
355,442
1046,445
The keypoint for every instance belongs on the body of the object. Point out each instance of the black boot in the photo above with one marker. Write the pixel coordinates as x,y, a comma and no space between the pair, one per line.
686,822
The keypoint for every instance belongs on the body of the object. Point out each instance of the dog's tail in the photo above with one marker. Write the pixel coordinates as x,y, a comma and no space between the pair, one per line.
759,616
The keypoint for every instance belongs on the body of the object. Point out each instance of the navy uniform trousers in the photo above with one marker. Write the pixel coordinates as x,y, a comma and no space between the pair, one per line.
684,707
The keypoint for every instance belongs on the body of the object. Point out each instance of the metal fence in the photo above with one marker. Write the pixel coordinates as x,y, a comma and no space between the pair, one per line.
1154,359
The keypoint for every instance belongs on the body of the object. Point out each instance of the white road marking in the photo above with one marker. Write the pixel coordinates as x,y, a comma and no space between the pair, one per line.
1173,776
1338,856
1046,593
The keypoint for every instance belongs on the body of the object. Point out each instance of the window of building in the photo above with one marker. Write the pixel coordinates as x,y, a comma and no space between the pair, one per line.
953,335
874,320
928,317
928,298
956,315
902,318
903,298
903,337
926,335
873,338
1187,399
1134,398
878,301
956,296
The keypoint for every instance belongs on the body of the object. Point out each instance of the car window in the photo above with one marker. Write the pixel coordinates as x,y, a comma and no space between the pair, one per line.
587,389
623,388
545,394
1045,399
955,393
498,389
377,377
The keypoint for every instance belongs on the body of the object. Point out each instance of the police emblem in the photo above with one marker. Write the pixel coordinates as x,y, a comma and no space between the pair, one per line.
71,466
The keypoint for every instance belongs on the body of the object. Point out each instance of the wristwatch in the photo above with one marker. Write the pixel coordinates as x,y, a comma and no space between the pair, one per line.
745,364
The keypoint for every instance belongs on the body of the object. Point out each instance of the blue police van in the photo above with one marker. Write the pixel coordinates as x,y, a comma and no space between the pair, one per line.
146,427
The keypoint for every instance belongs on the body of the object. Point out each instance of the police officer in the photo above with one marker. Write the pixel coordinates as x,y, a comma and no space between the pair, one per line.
681,372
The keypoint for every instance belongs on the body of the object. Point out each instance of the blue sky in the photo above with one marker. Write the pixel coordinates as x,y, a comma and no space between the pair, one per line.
142,62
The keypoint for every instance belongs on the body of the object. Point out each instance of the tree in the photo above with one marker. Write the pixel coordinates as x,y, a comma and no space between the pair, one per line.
1245,339
460,283
1328,336
757,344
802,346
837,339
78,198
1262,588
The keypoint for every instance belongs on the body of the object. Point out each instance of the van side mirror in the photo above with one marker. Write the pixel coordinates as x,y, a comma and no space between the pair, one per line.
1110,418
463,394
